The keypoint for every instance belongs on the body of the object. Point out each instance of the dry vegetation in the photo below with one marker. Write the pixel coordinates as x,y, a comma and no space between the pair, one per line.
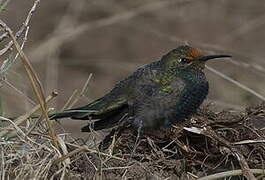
213,144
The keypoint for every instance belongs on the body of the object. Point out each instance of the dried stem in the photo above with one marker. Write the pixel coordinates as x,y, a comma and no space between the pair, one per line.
37,87
231,173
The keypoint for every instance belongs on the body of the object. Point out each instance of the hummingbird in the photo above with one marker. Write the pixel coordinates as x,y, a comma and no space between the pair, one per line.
160,94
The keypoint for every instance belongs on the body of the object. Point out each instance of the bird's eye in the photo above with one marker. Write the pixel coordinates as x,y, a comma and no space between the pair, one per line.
184,60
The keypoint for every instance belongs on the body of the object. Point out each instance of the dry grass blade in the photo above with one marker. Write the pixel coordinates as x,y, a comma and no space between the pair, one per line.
249,142
56,161
37,88
82,91
231,173
73,96
115,168
64,150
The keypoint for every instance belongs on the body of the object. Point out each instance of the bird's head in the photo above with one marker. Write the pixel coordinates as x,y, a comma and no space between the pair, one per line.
187,57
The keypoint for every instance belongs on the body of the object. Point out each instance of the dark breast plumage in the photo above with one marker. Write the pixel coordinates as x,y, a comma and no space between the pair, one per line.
180,98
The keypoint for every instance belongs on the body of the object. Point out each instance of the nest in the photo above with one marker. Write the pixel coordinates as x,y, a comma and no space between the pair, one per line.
212,145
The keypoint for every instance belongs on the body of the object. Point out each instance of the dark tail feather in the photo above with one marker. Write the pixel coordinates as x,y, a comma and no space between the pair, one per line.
62,115
77,113
109,121
80,113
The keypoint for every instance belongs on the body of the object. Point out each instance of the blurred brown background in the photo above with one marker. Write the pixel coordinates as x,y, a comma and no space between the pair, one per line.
69,39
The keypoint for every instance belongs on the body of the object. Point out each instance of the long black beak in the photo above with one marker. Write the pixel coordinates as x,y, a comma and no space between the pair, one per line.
206,58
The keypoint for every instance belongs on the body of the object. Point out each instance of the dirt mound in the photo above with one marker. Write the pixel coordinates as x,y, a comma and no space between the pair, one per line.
211,143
